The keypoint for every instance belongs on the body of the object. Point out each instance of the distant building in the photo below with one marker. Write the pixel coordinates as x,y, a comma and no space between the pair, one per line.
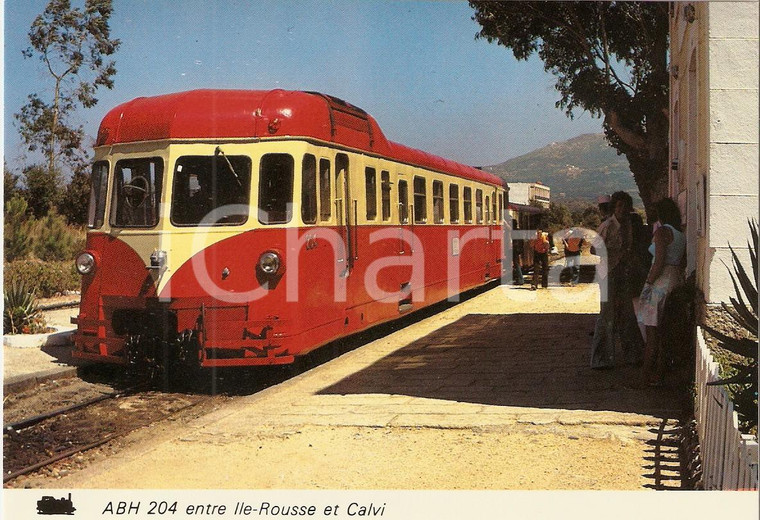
527,200
525,193
714,134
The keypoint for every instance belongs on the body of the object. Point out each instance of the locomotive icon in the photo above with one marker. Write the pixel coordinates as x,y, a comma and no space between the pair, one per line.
48,505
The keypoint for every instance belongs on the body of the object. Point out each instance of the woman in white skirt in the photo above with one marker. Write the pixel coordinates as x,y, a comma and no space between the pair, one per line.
668,246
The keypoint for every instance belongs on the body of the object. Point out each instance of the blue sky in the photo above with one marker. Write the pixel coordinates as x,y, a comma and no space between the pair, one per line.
414,65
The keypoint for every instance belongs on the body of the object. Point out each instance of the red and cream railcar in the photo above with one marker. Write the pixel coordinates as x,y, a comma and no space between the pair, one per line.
232,228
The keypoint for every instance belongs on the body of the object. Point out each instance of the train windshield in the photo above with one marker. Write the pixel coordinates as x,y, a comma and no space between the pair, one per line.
98,189
211,190
137,192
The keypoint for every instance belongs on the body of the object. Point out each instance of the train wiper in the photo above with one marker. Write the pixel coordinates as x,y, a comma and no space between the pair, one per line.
219,151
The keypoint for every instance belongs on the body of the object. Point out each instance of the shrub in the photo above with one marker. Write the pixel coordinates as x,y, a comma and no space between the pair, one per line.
44,278
744,381
18,229
55,240
20,313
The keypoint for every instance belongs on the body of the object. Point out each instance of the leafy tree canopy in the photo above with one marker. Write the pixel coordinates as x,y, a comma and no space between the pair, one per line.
75,200
73,44
41,189
610,59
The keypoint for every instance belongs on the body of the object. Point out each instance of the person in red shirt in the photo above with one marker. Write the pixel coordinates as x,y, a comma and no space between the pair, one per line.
540,245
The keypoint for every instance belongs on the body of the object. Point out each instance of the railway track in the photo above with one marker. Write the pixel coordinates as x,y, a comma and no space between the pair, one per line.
33,443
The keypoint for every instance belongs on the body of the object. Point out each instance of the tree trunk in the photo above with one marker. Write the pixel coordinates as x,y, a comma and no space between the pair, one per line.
54,126
651,176
647,154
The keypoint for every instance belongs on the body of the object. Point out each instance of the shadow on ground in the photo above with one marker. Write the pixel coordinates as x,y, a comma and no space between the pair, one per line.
524,360
663,461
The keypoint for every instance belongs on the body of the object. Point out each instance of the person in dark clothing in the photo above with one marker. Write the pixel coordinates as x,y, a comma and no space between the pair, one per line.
517,258
616,322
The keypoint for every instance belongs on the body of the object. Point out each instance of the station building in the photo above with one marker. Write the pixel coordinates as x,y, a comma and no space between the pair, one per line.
714,134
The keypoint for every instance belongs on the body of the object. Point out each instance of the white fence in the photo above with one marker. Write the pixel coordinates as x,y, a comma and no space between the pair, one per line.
729,458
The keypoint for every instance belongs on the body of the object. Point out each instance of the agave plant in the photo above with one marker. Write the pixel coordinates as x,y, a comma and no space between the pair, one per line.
745,315
20,312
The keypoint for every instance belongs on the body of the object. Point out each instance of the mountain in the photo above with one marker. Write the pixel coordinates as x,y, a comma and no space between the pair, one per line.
580,168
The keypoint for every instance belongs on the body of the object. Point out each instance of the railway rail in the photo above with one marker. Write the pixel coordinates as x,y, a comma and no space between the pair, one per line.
36,442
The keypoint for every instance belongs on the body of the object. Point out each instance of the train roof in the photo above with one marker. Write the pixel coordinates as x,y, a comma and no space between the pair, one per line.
219,114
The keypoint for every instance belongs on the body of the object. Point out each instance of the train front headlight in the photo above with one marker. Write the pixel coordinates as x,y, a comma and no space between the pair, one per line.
85,263
270,263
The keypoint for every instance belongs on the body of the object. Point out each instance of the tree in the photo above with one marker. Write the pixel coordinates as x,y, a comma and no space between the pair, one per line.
17,229
10,187
555,218
73,45
76,198
41,189
610,59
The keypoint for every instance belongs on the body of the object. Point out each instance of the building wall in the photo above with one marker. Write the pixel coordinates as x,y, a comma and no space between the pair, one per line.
714,133
518,192
527,192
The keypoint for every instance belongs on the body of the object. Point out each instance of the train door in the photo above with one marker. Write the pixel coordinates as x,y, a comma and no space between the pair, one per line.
347,220
343,208
495,229
404,248
488,220
403,215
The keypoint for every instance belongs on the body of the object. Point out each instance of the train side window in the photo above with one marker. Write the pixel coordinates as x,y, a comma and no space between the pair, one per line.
385,187
467,196
325,194
420,200
501,207
438,202
493,208
488,210
370,185
454,203
211,190
403,202
276,188
478,206
309,189
137,192
97,212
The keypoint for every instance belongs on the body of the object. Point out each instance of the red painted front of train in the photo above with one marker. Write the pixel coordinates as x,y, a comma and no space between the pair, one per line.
234,228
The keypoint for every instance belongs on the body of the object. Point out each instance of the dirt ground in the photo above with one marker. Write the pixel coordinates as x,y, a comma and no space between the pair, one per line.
343,441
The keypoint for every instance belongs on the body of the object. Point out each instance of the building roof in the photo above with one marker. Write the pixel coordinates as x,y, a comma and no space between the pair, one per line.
231,114
524,208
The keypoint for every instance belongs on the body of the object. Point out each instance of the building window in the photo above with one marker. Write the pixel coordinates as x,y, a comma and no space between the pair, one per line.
325,193
420,200
438,202
454,203
467,196
385,193
370,184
